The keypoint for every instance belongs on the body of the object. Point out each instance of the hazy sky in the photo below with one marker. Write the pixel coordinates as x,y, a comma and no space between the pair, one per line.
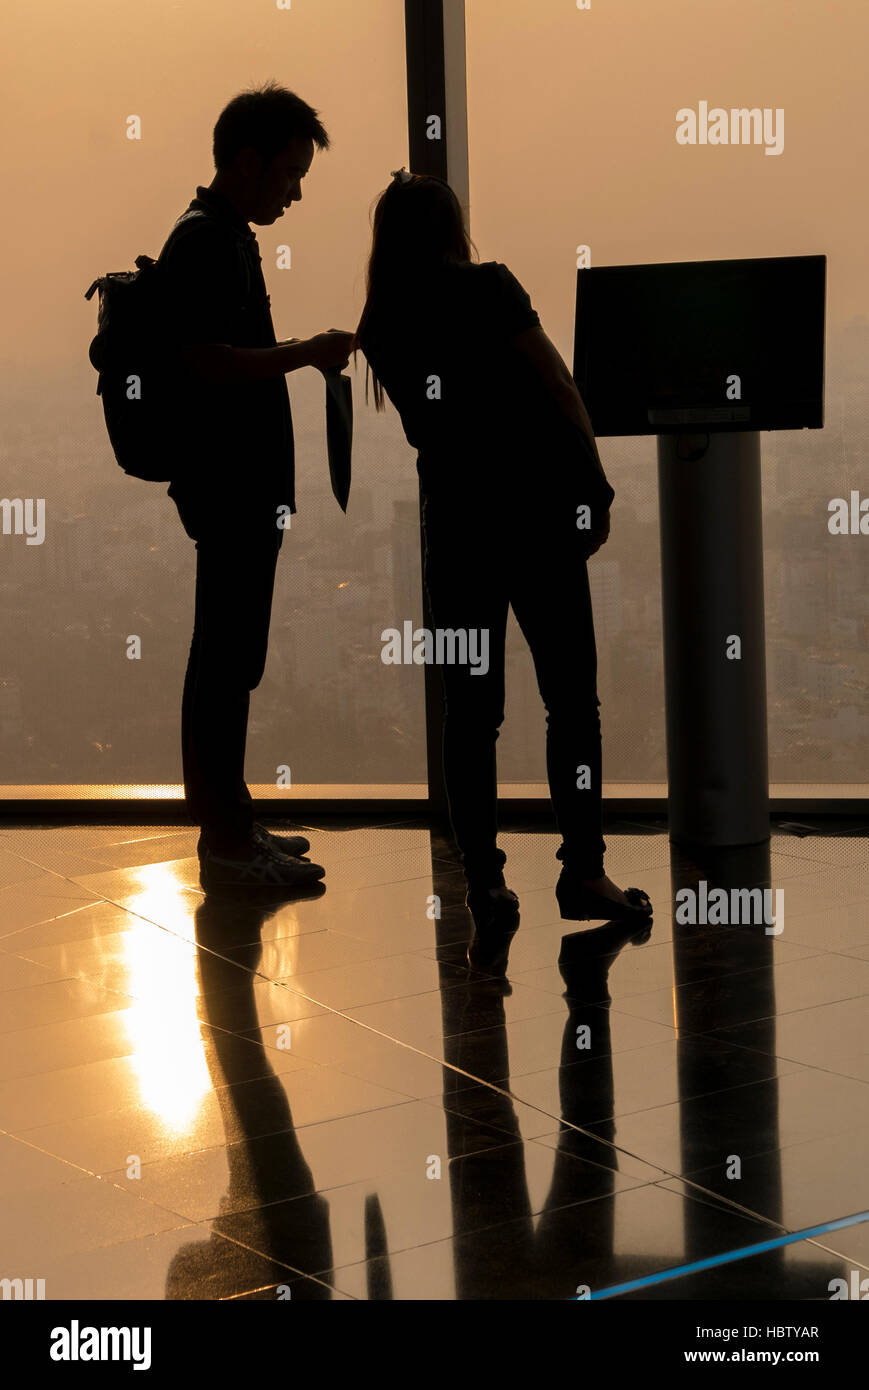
572,139
572,118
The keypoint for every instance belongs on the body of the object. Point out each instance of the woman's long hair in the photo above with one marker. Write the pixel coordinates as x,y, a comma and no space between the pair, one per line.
418,226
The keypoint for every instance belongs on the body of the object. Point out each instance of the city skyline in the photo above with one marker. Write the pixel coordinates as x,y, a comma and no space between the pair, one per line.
114,562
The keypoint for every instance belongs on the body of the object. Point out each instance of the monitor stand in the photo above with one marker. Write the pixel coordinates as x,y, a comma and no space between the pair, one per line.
714,650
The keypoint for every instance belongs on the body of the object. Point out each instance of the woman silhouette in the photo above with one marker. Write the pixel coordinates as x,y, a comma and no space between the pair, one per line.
514,502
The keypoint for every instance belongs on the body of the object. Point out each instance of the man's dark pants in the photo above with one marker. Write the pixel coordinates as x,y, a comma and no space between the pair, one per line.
235,575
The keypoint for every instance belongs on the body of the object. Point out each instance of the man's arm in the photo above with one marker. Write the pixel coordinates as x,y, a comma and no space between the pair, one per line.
222,364
202,272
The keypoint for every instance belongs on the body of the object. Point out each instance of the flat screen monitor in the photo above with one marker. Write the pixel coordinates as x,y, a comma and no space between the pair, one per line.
692,346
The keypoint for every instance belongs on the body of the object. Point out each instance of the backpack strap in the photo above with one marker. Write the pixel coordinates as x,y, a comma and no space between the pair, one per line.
194,217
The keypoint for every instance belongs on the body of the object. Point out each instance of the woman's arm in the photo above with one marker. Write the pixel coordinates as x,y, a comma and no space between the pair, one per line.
545,361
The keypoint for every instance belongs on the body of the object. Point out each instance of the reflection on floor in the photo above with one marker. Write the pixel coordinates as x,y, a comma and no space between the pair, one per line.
228,1097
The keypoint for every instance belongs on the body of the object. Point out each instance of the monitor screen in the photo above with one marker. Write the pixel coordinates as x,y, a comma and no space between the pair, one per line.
699,345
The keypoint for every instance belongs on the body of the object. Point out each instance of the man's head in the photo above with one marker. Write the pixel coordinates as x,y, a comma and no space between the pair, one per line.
264,143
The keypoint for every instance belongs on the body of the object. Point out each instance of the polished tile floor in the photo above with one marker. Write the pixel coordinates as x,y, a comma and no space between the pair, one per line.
351,1096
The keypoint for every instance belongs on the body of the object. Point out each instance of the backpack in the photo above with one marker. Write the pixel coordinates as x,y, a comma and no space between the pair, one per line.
143,396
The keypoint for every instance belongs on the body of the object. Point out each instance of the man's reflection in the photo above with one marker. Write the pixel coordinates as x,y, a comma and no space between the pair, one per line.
293,1234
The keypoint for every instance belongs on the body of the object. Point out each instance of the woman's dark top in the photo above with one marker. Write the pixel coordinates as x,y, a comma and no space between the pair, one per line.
485,427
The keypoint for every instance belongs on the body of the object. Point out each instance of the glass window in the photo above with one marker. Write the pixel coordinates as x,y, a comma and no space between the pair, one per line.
82,199
572,136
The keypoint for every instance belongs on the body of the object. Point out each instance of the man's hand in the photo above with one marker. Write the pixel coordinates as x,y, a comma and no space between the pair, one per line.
331,349
599,537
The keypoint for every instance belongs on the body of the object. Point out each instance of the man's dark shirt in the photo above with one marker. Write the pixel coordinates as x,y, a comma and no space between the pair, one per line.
237,437
494,434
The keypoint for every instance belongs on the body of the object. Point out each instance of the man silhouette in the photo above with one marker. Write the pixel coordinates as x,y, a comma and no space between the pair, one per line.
234,489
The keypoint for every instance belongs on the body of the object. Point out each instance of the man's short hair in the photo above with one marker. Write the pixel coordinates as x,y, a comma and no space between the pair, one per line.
266,119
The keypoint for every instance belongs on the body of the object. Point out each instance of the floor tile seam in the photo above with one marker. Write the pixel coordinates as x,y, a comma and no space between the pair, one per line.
507,1095
129,999
130,912
645,1110
649,1162
263,1288
272,1259
437,1240
689,984
140,917
385,1037
512,1221
846,954
713,1033
107,1183
124,1056
388,955
205,1221
709,1197
18,955
780,1056
778,1149
82,907
763,1081
821,863
593,1163
68,1162
839,1254
810,1066
247,1140
758,1018
748,1157
57,873
35,984
402,1098
758,1217
453,1067
74,881
197,946
467,1032
46,921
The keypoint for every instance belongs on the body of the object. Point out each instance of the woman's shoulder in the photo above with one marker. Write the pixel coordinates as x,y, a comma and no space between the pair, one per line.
480,269
488,280
496,278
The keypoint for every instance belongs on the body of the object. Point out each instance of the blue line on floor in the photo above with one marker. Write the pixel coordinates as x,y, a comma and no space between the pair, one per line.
728,1257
